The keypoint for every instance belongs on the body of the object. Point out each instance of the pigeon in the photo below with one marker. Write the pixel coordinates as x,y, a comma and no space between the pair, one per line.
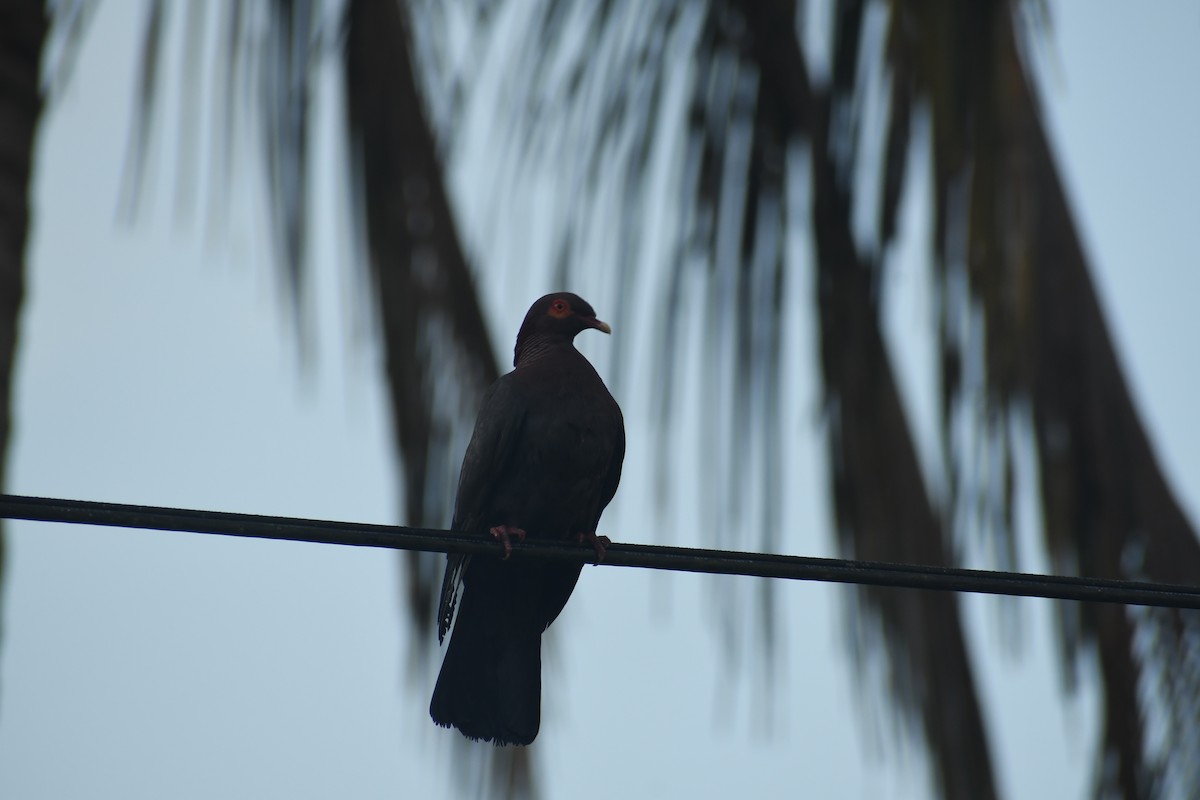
543,462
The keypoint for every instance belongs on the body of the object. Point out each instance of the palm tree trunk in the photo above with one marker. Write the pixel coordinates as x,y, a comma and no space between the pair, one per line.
22,34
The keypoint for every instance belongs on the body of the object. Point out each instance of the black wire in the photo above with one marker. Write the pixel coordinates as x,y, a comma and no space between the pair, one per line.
681,559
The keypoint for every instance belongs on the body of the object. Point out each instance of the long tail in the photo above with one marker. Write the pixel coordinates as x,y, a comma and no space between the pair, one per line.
490,686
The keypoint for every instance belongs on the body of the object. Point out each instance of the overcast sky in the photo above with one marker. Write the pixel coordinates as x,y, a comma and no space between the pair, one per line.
157,366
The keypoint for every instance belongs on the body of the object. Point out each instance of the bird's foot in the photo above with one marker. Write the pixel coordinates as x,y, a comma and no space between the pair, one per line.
601,543
504,534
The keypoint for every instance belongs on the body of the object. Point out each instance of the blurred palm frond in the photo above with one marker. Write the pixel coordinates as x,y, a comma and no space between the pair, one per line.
438,356
709,126
1020,334
23,34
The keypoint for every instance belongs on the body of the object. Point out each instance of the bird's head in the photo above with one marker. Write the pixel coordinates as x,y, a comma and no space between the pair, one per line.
552,320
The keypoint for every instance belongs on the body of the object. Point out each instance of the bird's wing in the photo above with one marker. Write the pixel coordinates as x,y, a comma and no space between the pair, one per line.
612,477
493,445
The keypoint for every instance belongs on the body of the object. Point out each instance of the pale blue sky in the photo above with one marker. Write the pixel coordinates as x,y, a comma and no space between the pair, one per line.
157,367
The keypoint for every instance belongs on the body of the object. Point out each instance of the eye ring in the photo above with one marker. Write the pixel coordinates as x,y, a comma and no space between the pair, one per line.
560,308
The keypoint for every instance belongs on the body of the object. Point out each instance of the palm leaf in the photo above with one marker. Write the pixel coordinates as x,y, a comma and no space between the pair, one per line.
1106,507
959,65
23,32
586,91
750,105
438,355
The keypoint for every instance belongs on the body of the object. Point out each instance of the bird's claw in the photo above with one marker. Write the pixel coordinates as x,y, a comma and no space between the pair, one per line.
504,534
601,543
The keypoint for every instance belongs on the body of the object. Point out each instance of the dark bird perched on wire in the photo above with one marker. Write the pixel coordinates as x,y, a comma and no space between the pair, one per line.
543,462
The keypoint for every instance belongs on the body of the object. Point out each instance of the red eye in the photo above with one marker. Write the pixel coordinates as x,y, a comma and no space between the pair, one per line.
559,308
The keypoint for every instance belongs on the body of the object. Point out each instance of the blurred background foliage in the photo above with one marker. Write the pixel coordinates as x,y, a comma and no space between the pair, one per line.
701,158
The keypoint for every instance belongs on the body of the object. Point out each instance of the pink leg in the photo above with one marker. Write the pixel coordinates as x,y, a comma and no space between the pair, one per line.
504,533
601,543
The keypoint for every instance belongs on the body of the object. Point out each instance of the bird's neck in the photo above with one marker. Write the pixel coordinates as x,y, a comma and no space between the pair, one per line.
534,348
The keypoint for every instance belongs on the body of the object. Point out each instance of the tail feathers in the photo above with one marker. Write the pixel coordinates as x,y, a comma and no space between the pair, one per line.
490,686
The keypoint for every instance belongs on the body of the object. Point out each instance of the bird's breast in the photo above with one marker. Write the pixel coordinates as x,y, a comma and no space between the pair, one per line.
566,448
571,446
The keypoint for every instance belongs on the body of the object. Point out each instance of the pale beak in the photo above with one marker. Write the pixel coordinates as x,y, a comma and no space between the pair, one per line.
592,322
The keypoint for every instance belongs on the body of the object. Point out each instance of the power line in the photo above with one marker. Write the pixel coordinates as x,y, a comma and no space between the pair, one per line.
679,559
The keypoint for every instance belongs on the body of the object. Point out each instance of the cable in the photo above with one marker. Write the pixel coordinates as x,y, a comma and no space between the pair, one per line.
680,559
